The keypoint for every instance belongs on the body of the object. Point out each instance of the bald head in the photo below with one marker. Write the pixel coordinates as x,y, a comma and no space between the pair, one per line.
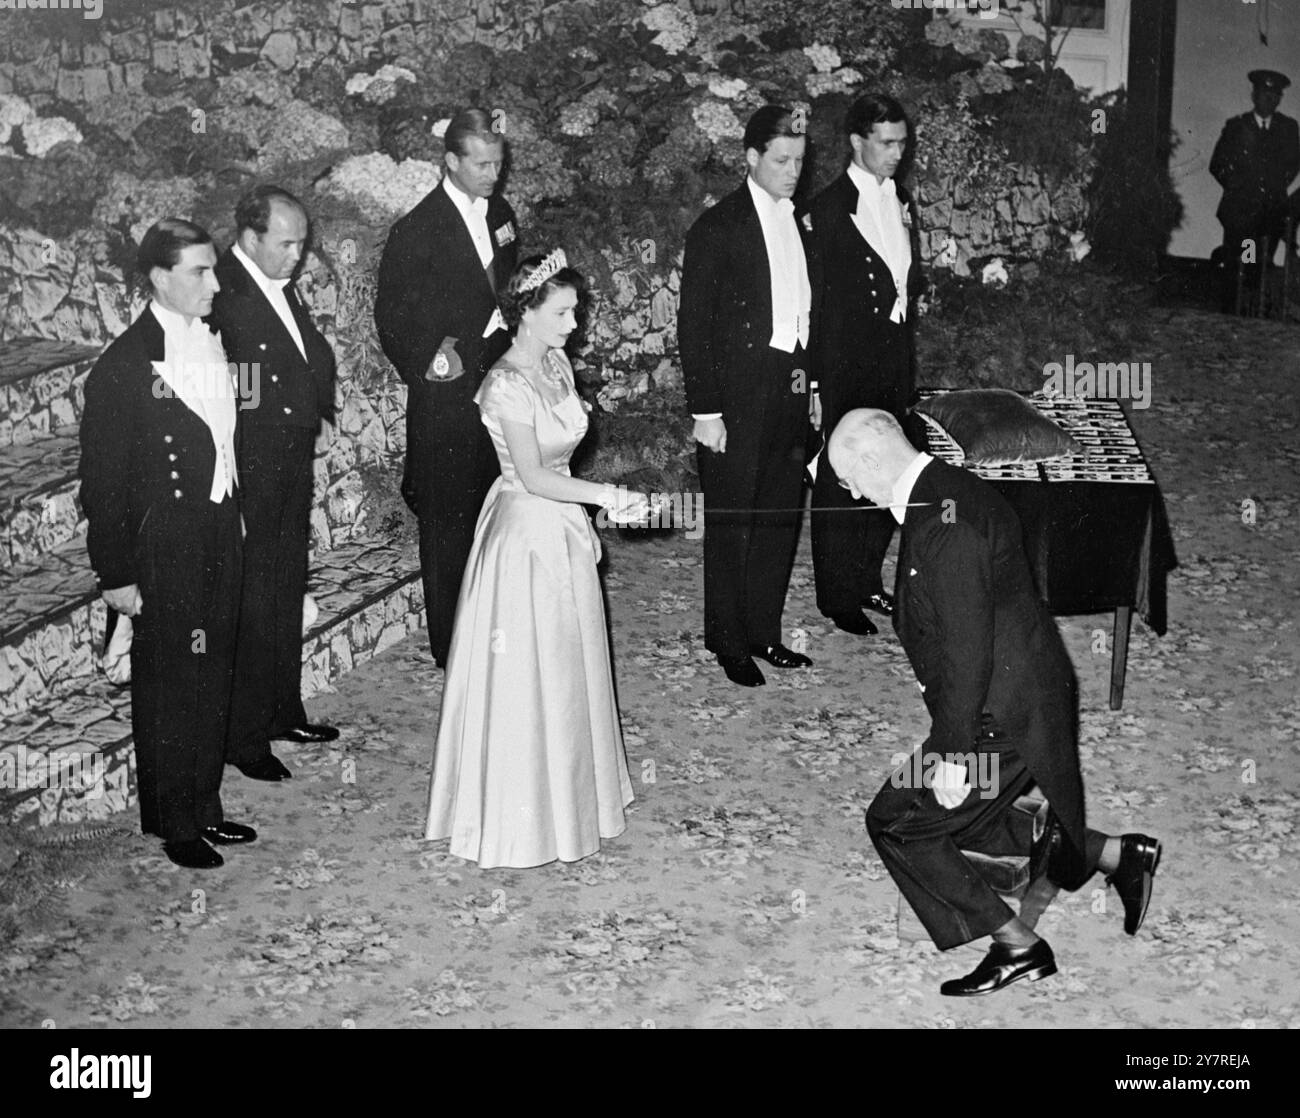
869,452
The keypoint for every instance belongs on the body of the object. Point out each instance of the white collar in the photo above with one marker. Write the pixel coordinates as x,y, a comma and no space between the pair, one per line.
463,201
867,184
173,323
1263,121
902,493
764,202
265,282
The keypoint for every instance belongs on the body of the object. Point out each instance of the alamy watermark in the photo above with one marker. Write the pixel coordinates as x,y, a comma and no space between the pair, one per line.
920,769
984,9
89,9
75,770
209,380
1104,380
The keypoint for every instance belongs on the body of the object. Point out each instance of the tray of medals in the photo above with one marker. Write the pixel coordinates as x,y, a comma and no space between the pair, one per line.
1111,453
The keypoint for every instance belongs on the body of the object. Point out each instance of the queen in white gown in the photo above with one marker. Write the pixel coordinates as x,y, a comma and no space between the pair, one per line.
529,764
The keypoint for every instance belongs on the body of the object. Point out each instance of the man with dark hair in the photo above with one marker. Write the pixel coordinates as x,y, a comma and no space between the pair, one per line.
269,335
742,325
1257,156
158,483
1002,698
864,235
440,326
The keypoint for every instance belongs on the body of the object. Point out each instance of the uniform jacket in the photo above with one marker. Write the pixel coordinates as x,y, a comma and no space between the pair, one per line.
1255,167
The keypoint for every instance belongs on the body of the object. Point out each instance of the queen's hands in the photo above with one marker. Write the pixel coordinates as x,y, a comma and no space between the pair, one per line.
626,506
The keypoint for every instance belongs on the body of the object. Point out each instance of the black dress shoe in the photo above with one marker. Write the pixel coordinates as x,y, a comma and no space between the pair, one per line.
742,671
1002,966
228,834
307,734
269,767
194,854
781,657
857,623
1139,857
882,603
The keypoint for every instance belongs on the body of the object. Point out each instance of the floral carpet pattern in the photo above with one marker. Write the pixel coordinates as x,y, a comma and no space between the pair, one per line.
745,892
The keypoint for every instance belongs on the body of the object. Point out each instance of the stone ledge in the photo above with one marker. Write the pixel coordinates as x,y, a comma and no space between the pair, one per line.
41,388
370,597
39,506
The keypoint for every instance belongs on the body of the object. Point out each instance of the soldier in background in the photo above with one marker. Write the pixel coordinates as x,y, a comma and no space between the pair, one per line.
1257,156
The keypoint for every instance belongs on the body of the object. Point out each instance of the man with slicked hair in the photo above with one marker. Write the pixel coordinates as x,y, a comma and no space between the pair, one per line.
440,326
269,334
864,234
743,329
158,483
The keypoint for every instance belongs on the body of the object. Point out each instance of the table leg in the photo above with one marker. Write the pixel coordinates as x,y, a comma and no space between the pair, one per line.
1119,655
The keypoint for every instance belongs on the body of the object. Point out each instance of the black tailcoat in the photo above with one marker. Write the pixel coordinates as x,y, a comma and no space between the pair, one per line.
278,428
999,686
146,474
861,360
432,286
724,326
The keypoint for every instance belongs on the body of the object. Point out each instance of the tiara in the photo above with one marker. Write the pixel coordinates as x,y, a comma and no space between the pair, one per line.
545,270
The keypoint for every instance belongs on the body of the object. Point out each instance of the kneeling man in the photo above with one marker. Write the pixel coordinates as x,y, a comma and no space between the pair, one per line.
1001,694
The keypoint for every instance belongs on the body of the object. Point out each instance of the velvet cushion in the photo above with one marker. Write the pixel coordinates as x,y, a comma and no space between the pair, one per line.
995,427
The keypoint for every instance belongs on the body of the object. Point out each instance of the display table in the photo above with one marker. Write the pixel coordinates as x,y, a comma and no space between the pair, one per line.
1096,534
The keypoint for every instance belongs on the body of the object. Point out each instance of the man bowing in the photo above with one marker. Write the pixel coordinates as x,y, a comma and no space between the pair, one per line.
1001,694
268,333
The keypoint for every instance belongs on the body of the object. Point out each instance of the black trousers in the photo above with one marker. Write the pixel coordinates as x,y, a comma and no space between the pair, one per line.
921,842
275,475
749,551
1265,235
450,467
850,538
182,656
849,542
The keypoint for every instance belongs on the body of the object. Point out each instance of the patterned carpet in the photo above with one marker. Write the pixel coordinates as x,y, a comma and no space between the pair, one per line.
745,892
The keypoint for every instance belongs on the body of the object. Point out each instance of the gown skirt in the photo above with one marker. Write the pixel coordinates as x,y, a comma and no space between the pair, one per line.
529,765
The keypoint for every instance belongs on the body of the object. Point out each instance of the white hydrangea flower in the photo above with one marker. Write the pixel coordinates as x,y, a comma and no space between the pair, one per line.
578,119
1079,246
676,27
41,134
824,59
380,86
727,88
849,76
994,273
380,186
14,113
716,121
440,127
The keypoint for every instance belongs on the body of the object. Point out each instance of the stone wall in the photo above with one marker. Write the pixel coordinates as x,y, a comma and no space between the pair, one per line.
125,46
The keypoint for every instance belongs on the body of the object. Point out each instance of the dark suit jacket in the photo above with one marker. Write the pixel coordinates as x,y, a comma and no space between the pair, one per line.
725,311
146,459
859,357
293,391
979,639
1255,168
432,285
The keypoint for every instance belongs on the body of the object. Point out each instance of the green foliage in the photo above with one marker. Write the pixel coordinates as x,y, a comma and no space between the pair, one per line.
978,336
1133,207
